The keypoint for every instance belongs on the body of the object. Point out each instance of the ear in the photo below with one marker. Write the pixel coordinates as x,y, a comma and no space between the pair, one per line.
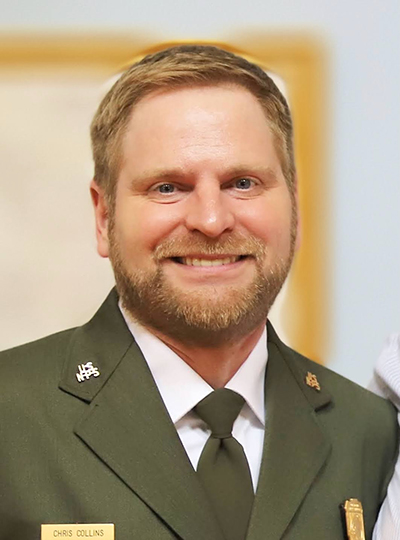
296,203
101,217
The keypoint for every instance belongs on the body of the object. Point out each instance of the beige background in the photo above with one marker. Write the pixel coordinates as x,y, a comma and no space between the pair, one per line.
51,277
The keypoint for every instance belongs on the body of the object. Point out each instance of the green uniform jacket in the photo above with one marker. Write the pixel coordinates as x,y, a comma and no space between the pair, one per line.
105,450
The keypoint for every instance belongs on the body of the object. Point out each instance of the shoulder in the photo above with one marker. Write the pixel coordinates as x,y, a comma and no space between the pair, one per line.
52,343
34,362
351,404
362,427
49,353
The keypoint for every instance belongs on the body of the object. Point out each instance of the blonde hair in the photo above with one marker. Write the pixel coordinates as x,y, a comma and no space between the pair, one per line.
184,66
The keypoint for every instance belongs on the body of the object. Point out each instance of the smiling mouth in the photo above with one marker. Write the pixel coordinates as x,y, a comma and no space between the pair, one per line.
195,261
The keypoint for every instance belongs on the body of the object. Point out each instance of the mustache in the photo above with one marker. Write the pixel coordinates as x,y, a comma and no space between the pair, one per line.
231,245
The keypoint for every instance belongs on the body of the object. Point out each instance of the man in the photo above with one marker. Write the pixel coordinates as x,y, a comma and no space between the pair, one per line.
195,204
386,383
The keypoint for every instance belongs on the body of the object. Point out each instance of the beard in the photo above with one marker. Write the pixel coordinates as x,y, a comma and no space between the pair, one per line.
206,315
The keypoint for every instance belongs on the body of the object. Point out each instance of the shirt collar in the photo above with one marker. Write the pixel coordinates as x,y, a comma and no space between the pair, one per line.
181,388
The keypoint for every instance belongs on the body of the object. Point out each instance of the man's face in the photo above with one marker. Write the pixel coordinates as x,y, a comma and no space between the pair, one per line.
202,234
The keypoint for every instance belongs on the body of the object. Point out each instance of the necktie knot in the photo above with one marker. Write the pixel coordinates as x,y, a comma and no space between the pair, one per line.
219,411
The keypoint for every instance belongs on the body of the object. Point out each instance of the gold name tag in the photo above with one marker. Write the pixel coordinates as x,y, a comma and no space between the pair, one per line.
354,519
103,531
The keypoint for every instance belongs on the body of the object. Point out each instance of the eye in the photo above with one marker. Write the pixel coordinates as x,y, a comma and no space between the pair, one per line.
244,183
166,188
167,192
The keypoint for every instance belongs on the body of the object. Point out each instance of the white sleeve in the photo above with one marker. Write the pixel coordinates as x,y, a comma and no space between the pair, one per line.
386,383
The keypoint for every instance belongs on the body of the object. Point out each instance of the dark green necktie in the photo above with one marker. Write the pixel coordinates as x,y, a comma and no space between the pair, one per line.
223,468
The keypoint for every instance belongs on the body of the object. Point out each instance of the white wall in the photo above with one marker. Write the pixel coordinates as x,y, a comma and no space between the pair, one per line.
364,39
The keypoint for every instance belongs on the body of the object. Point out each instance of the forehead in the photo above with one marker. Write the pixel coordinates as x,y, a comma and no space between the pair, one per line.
206,120
219,98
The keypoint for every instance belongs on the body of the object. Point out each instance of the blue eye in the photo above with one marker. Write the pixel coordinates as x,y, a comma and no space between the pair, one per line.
243,183
166,188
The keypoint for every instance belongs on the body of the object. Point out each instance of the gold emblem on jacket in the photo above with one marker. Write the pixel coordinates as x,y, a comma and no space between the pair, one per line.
354,519
311,380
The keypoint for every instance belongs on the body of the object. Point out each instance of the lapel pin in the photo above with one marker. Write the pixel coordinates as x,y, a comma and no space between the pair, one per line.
312,381
353,517
85,371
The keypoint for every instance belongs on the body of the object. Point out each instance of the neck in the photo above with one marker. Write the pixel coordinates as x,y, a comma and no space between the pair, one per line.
216,365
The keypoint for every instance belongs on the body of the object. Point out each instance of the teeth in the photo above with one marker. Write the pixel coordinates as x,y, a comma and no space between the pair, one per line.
208,262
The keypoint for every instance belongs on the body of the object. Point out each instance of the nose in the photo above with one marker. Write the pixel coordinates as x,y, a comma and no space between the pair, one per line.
210,211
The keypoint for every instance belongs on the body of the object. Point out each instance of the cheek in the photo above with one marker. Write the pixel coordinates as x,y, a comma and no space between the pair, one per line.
141,226
270,223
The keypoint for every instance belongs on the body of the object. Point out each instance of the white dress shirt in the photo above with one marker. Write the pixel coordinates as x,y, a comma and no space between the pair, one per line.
386,383
181,388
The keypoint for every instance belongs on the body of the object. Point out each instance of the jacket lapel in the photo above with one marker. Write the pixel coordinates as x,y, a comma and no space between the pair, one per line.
295,449
129,429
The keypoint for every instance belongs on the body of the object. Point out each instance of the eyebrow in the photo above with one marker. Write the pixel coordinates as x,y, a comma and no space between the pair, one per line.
248,169
159,174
